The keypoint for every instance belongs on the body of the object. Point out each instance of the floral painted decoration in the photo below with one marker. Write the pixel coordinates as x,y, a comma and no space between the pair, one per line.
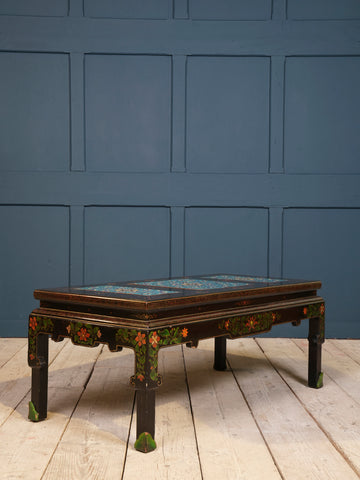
314,310
37,325
84,334
156,339
248,324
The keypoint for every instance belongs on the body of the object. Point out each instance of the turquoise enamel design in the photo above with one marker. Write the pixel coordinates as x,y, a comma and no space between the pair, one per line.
148,292
193,284
242,278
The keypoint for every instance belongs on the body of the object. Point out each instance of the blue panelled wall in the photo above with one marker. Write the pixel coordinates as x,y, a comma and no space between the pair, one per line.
148,138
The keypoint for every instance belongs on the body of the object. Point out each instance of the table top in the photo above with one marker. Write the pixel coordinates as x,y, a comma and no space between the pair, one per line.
154,294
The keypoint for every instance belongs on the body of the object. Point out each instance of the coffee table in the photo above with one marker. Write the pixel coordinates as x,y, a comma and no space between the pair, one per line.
151,314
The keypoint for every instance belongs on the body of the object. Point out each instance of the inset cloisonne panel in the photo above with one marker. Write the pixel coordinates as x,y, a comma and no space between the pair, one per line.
34,119
322,244
230,9
151,9
128,113
34,247
322,115
232,240
323,9
126,243
228,114
46,8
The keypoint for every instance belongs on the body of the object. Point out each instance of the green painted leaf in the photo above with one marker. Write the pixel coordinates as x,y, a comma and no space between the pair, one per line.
33,414
153,375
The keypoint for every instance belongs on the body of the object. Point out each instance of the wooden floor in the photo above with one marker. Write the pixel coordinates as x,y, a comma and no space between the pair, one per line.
257,420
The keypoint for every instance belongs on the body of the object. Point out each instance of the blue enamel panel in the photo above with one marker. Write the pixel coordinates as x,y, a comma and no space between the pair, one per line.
247,279
193,284
126,290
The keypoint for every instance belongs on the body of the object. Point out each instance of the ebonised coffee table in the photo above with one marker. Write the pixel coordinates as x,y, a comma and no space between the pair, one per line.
153,314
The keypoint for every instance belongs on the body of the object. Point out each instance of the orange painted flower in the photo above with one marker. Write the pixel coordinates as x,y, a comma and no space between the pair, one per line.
273,316
305,311
184,332
33,323
31,356
154,339
141,377
227,323
83,334
322,309
251,323
140,339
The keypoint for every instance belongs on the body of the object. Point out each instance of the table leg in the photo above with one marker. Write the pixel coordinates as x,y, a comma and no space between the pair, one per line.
146,380
39,380
220,353
145,422
316,339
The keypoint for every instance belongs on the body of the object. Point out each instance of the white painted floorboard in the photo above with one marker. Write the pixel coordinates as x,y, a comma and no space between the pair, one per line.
257,420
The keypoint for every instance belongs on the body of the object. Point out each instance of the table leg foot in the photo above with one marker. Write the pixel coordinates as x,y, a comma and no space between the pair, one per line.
145,443
319,383
33,414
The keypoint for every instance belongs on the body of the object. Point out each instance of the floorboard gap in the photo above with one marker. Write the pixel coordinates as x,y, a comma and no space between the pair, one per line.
192,413
256,423
128,436
333,443
72,413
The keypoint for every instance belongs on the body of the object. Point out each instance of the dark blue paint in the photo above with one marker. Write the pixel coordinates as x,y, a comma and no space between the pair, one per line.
34,120
34,246
226,240
155,9
228,121
126,243
323,244
143,138
57,8
128,113
230,9
322,115
323,9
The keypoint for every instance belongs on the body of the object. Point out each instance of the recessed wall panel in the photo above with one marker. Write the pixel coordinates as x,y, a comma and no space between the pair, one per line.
152,9
323,9
126,243
48,8
230,9
128,113
322,244
34,120
34,246
322,115
220,240
227,114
